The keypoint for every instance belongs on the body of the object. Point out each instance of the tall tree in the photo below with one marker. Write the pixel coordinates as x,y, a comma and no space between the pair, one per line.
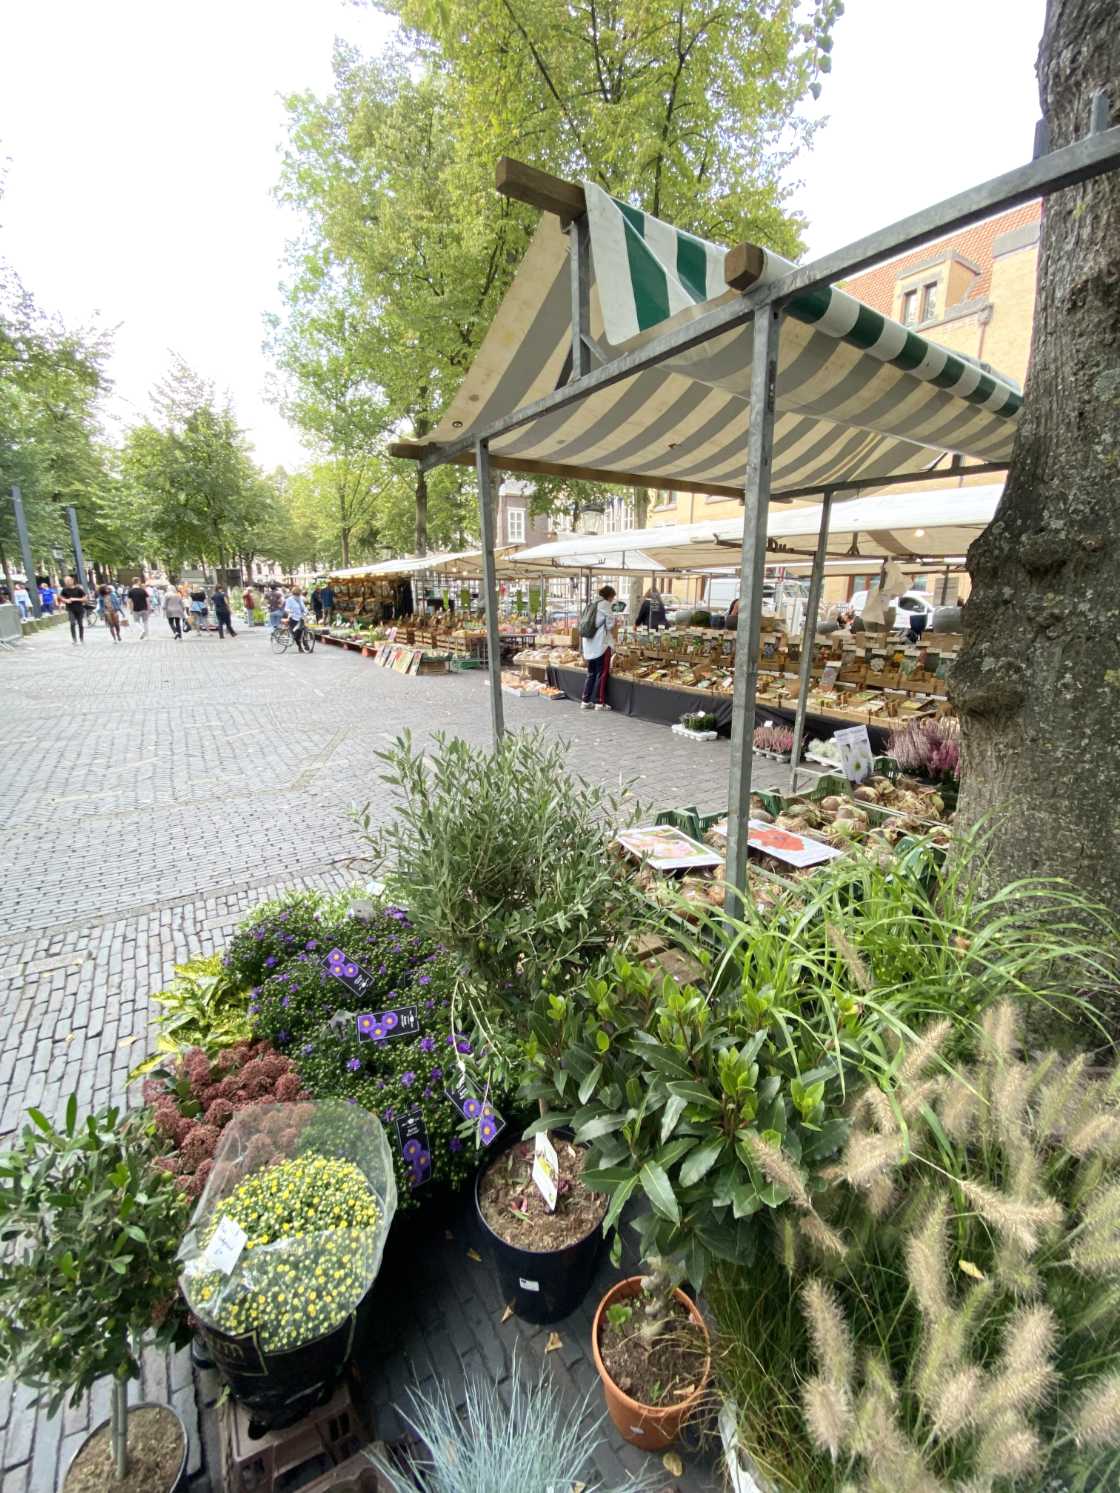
687,108
51,380
1038,681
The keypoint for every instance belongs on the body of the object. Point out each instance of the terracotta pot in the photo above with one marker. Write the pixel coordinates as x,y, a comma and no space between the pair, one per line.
652,1427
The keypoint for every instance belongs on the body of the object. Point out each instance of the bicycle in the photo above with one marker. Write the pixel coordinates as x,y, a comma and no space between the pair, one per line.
283,638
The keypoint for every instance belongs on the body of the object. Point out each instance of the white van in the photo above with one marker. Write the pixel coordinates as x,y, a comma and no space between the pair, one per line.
905,606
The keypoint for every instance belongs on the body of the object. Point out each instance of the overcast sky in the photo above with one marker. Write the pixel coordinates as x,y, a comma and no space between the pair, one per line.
141,142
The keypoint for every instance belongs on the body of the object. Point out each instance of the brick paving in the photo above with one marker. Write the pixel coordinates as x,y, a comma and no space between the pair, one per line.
153,793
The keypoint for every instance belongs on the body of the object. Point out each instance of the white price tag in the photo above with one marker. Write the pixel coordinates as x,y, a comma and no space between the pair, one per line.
855,753
528,1285
546,1170
224,1249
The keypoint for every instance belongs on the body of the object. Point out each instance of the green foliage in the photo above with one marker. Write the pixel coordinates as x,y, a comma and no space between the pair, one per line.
539,1444
716,1111
504,858
276,932
205,1006
687,109
90,1230
962,1323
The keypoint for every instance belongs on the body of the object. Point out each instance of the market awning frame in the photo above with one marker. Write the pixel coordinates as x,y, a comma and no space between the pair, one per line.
765,303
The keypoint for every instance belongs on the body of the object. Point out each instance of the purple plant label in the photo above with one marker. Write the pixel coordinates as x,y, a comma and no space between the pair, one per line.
416,1149
397,1021
489,1121
352,975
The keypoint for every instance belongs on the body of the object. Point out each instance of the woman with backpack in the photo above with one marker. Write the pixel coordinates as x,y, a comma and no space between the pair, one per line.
596,637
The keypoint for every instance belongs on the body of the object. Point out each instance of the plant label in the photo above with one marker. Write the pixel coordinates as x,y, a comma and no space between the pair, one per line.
490,1122
352,975
397,1021
855,753
528,1285
224,1250
416,1149
784,845
546,1170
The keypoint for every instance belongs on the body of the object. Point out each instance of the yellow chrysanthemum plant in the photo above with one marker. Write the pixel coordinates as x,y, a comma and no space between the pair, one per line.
284,1247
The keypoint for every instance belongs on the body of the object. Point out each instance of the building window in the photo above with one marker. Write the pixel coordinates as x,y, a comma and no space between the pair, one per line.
929,301
515,525
909,308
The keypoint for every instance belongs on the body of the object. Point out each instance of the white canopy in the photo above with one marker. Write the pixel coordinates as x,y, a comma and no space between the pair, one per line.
913,526
858,395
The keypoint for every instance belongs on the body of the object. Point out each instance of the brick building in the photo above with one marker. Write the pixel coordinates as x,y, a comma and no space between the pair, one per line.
973,292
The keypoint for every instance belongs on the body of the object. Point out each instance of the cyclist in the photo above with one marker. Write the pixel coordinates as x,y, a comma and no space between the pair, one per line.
295,612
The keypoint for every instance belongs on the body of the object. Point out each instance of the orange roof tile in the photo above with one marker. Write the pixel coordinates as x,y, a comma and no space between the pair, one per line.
875,288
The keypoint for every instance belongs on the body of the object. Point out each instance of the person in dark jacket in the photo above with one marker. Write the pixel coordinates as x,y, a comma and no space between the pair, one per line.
222,614
651,613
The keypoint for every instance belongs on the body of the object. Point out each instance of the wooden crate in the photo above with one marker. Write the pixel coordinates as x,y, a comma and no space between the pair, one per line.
321,1442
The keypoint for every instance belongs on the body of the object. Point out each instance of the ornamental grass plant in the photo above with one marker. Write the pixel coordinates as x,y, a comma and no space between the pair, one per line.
960,1328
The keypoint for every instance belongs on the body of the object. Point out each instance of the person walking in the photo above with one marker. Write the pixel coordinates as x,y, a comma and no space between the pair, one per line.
275,606
296,612
109,605
174,610
249,602
222,614
327,594
138,601
651,613
155,600
200,612
317,603
22,600
46,598
75,598
597,632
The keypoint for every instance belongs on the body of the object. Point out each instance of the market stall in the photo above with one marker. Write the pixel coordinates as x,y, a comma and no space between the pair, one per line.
629,352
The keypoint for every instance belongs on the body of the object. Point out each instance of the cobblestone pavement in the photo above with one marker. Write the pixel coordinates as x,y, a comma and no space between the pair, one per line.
152,793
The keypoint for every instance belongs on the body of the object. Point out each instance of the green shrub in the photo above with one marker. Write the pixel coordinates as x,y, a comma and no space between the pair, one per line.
205,1006
91,1229
277,931
504,858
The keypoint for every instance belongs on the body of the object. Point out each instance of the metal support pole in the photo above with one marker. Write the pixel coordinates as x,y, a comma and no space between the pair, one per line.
79,558
808,634
25,551
579,252
752,568
490,586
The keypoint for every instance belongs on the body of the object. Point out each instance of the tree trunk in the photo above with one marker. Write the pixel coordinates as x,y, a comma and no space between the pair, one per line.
1038,681
344,540
641,512
421,512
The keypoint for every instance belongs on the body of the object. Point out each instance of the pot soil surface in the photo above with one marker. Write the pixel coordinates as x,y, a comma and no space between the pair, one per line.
517,1213
155,1451
667,1372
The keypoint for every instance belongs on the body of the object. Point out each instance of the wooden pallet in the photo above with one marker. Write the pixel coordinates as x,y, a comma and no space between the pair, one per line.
320,1443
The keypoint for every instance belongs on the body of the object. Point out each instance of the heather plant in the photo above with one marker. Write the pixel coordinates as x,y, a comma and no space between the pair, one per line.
960,1321
929,746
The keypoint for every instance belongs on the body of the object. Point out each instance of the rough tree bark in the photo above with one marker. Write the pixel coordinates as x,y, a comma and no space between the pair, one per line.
1038,681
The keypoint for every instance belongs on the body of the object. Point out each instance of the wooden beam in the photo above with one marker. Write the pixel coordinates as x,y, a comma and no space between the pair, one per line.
551,194
743,266
500,463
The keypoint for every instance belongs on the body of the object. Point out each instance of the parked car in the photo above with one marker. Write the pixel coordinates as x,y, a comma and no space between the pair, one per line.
905,607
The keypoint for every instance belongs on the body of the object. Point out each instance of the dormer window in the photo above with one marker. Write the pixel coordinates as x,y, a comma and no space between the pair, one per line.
909,308
929,301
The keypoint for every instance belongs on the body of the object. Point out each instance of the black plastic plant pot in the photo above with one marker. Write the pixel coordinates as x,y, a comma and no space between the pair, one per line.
179,1485
280,1388
541,1285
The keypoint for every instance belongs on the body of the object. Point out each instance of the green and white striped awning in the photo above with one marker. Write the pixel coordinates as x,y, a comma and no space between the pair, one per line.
859,396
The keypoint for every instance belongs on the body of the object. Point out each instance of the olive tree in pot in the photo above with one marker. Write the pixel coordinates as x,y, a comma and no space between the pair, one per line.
90,1227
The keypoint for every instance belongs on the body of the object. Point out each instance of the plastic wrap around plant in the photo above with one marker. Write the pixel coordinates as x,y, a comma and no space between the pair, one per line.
288,1235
